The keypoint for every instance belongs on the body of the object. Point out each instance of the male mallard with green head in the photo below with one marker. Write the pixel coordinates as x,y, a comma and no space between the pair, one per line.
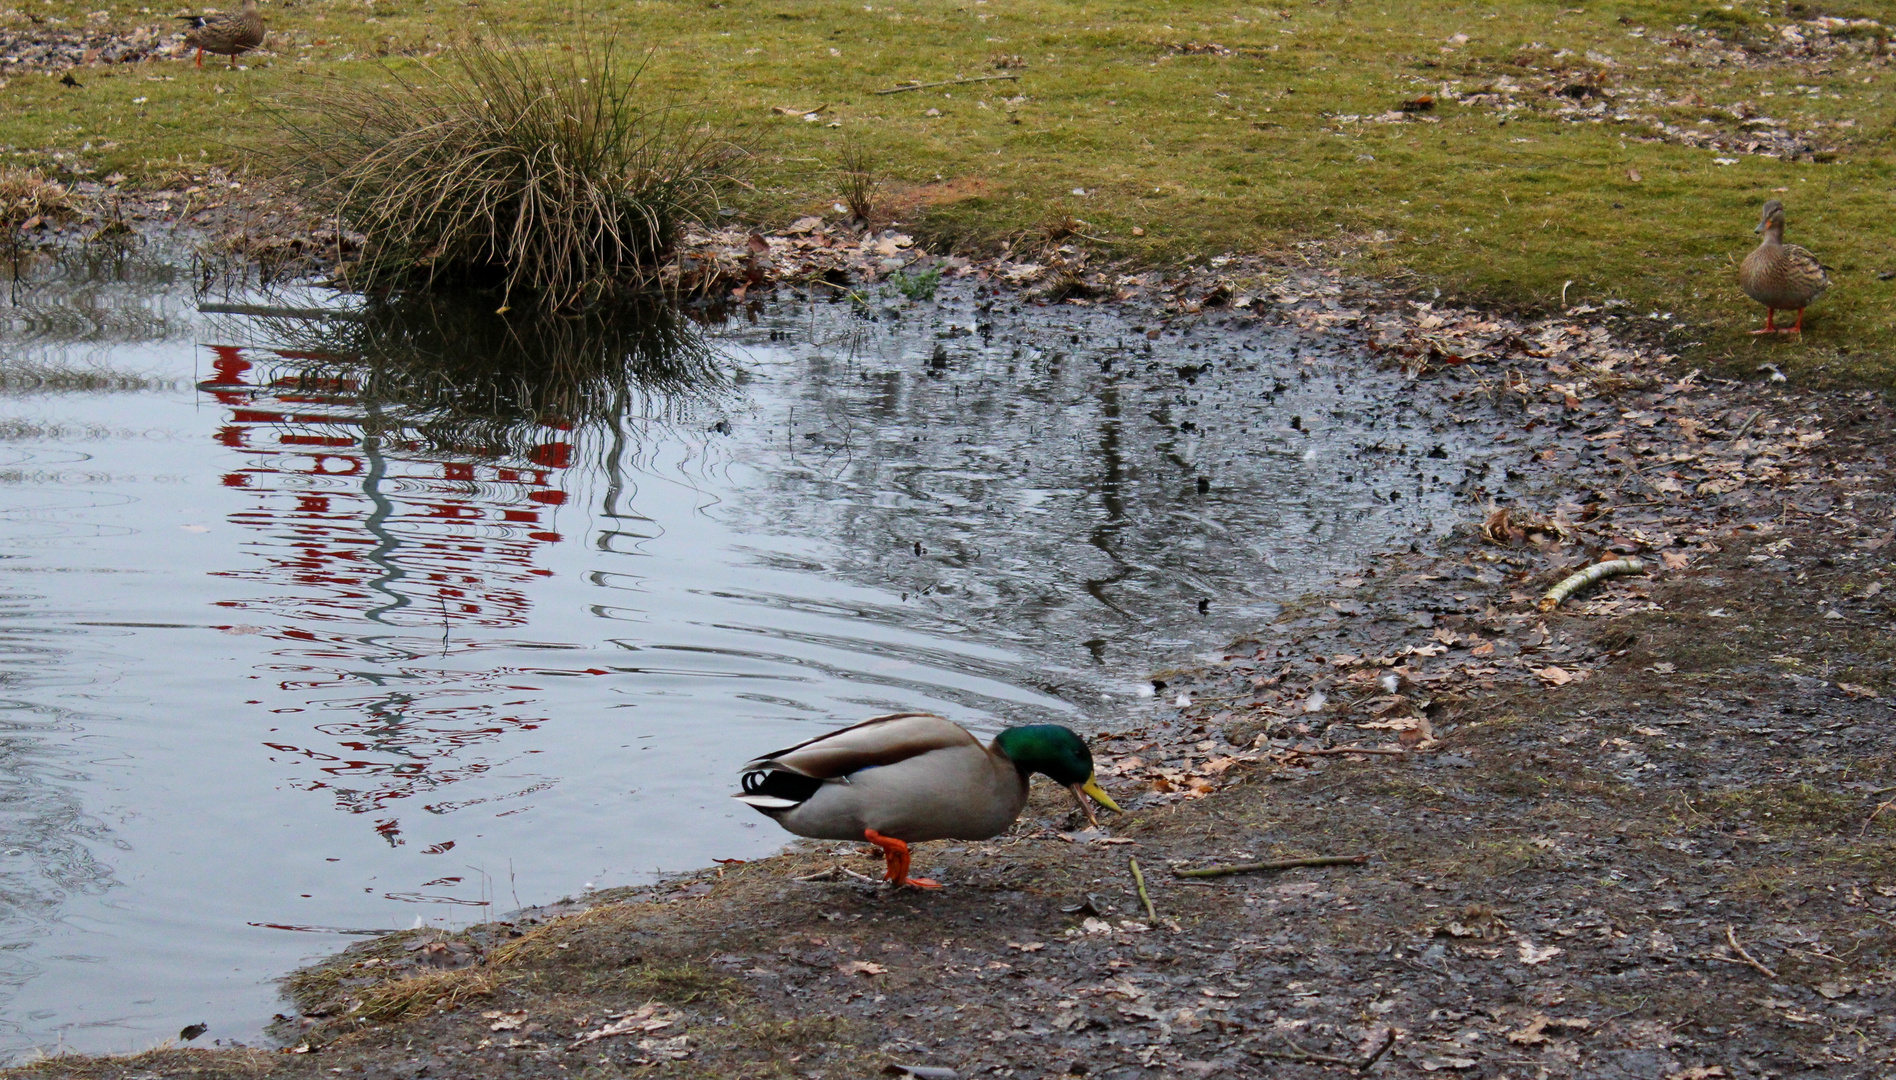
908,777
228,34
1781,276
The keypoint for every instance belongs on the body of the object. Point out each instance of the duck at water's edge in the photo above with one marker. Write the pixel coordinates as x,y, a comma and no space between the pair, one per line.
907,777
228,34
1781,276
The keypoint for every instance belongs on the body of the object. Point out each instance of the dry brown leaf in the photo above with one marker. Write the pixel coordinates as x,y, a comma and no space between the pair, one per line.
1554,676
1535,954
1674,560
861,967
504,1020
646,1018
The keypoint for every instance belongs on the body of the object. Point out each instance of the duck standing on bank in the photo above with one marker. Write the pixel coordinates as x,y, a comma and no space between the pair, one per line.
1781,276
229,34
907,777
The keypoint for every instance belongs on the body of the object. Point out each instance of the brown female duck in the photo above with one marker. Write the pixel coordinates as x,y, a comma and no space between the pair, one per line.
1781,276
228,34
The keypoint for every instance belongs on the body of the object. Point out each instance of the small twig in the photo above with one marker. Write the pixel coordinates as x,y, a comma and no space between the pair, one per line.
1746,426
1312,1055
1389,1040
1307,1054
832,871
1732,937
260,311
1279,864
945,82
1592,575
1325,751
1628,1012
1871,820
1139,879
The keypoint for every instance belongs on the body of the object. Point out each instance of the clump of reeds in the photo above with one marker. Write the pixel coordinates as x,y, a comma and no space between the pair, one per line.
856,179
537,172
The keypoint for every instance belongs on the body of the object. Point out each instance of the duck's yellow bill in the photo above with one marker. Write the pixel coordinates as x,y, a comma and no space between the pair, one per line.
1092,788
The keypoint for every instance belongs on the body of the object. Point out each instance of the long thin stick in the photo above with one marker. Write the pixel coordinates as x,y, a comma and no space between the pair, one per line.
945,82
1748,958
1308,1054
1280,864
1139,879
1349,750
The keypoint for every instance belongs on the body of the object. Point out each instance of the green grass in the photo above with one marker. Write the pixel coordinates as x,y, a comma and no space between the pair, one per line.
1237,150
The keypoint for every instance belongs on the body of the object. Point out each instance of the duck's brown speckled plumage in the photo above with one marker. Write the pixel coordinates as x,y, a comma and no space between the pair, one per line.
1781,276
229,34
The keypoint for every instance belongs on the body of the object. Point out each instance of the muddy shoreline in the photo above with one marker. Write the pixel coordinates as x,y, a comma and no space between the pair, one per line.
1645,834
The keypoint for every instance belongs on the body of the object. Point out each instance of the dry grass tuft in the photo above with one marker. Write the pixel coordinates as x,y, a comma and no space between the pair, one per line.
25,194
541,942
536,172
421,994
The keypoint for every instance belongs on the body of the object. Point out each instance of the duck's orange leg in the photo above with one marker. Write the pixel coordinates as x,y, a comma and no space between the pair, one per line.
1799,328
896,853
1770,327
200,59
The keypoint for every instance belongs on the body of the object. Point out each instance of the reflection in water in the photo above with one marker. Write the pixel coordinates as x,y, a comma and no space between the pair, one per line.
406,464
1066,484
91,295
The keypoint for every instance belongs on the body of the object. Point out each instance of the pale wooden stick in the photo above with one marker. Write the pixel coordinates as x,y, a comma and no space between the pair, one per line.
945,82
1139,879
1748,958
1280,864
1592,575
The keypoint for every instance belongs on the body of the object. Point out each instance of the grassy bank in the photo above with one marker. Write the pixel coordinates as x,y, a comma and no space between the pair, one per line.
1608,152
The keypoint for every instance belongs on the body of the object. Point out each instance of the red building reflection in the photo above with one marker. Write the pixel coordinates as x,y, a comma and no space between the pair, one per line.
357,520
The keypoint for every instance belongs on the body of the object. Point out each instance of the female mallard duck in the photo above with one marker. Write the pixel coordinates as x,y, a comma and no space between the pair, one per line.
907,777
1781,276
228,34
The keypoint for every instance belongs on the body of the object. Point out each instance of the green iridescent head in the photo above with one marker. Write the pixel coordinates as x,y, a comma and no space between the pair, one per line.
1050,749
1059,753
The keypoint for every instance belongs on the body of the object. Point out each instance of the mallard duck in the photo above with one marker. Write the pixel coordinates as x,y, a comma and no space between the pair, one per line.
899,779
228,34
1781,276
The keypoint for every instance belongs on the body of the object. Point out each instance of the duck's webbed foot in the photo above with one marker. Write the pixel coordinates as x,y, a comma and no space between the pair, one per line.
896,853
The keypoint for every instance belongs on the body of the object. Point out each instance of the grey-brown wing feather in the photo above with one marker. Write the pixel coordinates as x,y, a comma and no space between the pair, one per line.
881,740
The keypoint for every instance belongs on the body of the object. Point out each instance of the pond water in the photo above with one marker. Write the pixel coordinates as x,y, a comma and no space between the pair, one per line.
326,625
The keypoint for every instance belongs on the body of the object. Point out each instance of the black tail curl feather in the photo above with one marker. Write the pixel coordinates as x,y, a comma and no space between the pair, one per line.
782,785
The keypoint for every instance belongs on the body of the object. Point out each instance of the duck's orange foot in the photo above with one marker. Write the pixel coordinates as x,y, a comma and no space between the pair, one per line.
896,854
